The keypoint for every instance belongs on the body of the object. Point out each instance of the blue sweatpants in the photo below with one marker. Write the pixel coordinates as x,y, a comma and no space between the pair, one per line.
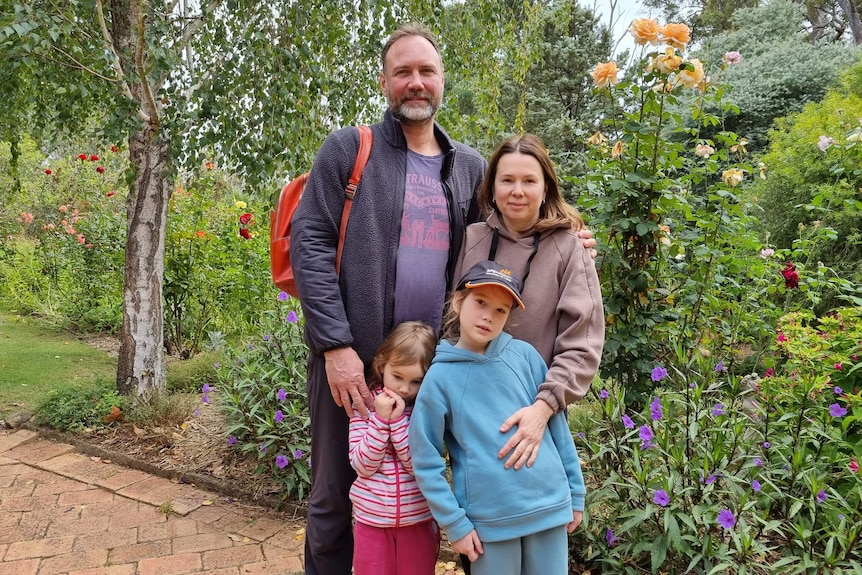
543,553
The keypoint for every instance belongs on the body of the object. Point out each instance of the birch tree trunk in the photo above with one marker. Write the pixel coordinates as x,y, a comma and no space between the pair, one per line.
141,362
852,15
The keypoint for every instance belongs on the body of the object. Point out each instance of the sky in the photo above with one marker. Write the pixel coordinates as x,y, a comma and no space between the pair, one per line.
623,11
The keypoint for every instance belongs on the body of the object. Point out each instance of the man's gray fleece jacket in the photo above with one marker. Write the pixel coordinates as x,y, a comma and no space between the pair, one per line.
357,308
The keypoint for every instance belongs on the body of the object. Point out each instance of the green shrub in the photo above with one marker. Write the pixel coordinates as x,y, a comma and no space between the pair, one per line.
191,374
163,409
729,474
262,391
75,407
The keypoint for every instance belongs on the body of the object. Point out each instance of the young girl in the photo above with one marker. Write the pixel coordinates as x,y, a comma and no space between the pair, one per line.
505,521
394,533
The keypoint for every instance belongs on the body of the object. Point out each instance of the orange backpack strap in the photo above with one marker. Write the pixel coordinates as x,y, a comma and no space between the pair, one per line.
365,140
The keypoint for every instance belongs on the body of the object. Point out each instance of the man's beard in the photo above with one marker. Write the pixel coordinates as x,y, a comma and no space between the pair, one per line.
412,113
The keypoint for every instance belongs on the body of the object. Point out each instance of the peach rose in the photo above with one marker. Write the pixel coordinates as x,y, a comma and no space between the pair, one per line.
617,150
644,31
692,78
704,150
676,35
666,63
597,139
605,75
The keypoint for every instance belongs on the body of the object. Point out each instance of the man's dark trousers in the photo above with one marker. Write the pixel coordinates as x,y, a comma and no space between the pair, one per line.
329,529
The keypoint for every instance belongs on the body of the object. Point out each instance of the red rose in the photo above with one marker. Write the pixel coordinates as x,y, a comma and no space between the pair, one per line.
82,157
245,233
245,219
115,149
791,277
94,158
111,193
100,169
48,172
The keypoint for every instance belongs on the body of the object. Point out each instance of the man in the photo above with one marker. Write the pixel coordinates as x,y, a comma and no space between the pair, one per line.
407,223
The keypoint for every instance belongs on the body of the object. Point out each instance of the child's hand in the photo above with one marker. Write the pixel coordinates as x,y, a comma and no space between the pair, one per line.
469,546
399,405
383,405
577,517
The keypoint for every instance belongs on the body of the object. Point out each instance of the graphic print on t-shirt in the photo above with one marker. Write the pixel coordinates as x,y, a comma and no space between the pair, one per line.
423,252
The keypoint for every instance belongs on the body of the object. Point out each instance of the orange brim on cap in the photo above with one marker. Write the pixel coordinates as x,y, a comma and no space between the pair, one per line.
498,284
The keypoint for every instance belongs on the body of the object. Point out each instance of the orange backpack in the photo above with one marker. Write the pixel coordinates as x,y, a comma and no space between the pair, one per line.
288,200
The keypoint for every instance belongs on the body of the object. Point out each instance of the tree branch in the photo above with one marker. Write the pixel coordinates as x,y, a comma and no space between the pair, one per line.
118,68
76,65
142,73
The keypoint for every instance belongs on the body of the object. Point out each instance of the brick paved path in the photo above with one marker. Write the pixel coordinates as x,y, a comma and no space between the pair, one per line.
64,513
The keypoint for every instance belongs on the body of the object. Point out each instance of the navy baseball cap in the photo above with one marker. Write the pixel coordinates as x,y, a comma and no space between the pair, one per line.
489,272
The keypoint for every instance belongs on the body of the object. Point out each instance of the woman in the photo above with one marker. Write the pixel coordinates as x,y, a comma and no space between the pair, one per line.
534,231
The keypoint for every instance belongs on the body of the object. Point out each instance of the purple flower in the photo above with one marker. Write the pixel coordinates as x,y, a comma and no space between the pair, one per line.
837,390
732,57
661,497
206,388
262,447
282,296
720,367
216,365
282,394
196,413
824,143
835,410
766,445
710,478
291,317
755,485
580,434
604,394
821,496
266,337
726,519
279,416
646,436
231,440
691,385
655,409
628,423
717,410
758,462
205,398
298,454
658,373
609,537
281,461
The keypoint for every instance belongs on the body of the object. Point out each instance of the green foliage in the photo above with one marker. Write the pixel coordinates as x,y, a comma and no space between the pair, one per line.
780,72
778,455
166,410
71,408
809,194
262,392
192,374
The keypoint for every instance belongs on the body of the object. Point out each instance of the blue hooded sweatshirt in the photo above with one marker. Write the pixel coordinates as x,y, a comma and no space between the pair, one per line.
464,399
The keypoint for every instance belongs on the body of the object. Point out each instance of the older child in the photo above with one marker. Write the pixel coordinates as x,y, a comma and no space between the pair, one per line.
505,521
394,532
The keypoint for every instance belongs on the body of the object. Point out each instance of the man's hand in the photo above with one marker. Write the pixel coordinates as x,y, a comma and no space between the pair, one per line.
589,241
532,421
469,546
577,517
346,376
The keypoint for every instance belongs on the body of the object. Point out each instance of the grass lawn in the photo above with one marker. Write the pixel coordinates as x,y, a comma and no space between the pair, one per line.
34,359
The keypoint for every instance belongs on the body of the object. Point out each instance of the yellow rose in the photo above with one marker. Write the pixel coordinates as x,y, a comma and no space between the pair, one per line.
617,150
732,177
597,139
605,75
676,35
691,78
645,30
240,204
667,63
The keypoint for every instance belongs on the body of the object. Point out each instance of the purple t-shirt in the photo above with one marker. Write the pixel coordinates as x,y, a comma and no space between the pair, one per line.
420,284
